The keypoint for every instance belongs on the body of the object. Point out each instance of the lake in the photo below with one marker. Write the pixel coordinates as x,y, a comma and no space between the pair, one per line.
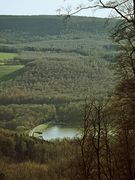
59,132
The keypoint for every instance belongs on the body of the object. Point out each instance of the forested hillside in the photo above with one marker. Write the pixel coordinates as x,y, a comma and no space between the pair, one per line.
53,62
67,99
54,25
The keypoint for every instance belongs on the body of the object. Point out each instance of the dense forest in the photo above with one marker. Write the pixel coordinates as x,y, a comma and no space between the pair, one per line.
48,73
72,73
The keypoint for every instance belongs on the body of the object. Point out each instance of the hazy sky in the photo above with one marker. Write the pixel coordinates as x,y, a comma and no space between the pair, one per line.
41,7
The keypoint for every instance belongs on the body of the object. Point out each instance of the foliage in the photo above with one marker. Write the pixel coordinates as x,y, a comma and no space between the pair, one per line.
45,74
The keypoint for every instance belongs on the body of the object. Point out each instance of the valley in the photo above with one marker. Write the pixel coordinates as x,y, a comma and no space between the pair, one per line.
47,69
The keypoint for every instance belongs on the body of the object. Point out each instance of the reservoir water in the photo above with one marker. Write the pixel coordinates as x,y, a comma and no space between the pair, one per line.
58,132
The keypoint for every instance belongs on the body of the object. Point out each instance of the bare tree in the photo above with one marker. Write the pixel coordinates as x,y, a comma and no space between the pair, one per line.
95,142
95,125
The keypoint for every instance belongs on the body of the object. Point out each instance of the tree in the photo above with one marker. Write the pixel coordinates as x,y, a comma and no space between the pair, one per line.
95,142
124,33
124,36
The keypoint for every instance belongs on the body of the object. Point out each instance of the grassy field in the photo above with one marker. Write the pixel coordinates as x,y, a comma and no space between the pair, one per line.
7,69
7,55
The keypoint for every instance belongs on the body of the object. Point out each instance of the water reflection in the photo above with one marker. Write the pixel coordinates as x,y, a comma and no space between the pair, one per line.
60,132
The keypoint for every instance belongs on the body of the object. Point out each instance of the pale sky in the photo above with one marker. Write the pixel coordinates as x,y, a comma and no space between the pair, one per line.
44,7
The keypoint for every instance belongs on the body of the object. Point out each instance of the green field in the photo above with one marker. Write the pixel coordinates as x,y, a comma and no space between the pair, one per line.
7,69
4,56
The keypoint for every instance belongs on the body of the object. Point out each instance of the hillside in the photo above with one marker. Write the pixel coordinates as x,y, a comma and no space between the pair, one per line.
54,66
54,25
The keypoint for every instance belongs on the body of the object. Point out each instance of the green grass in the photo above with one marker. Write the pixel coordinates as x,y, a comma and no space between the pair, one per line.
7,56
7,69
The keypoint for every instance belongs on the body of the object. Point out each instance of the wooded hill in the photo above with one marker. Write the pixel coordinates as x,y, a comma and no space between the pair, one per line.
54,25
57,64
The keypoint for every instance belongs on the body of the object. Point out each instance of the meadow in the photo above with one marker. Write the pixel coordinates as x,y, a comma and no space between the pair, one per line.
4,56
8,69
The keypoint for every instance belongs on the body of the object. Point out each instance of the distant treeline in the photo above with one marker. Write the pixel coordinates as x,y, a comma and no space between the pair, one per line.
54,25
